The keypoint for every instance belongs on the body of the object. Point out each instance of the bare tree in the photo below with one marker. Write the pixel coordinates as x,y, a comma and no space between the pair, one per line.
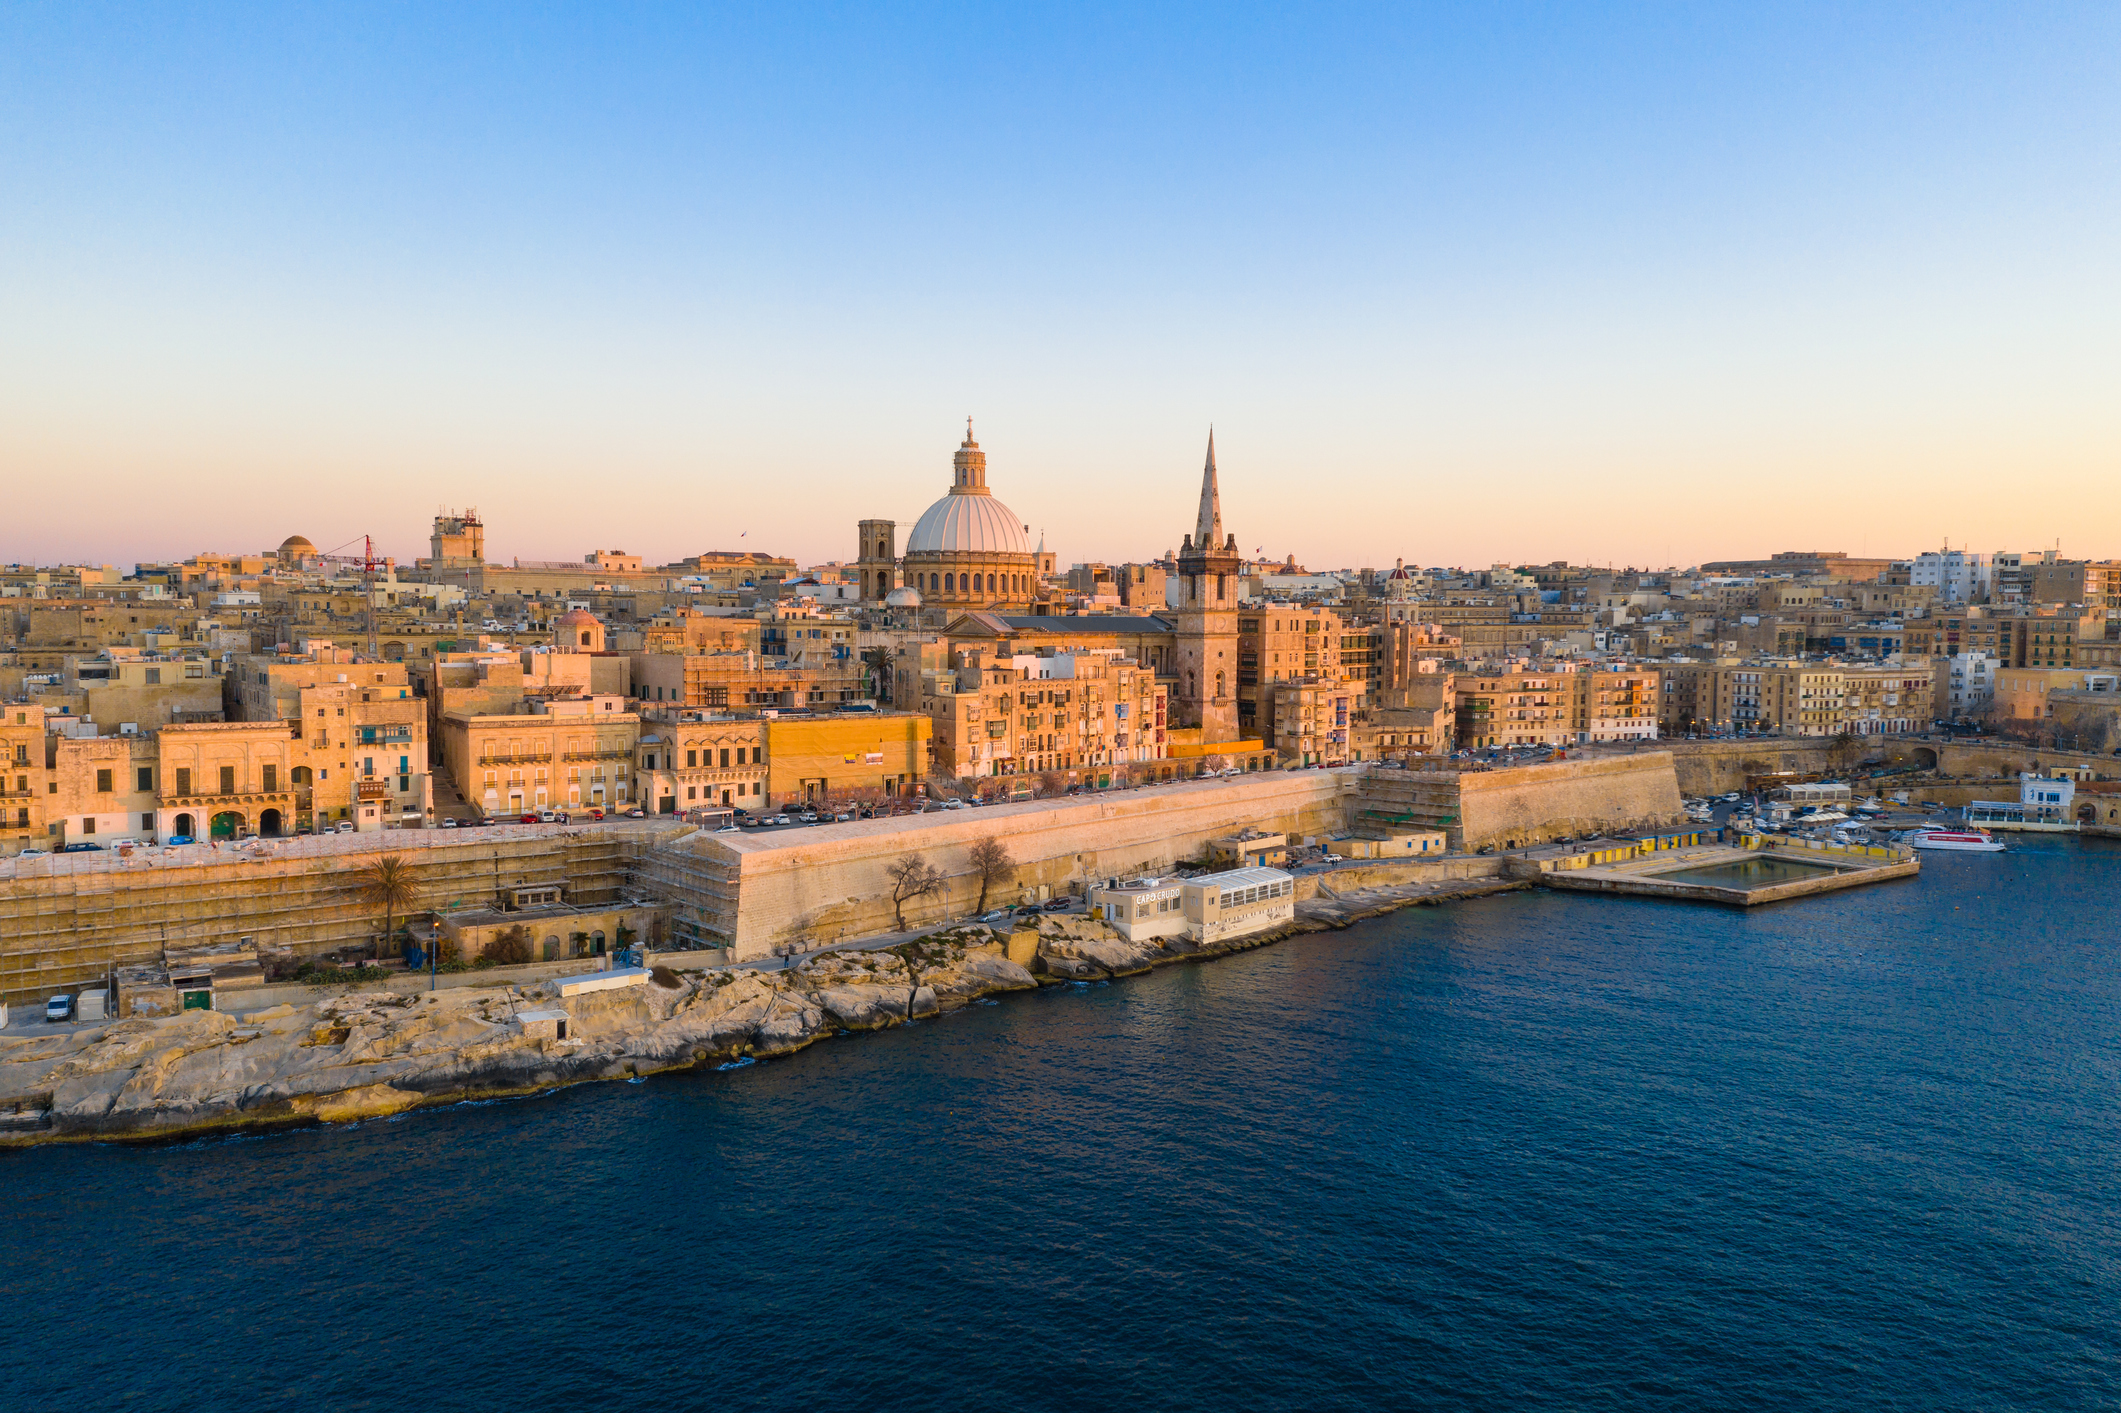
1053,782
911,877
990,859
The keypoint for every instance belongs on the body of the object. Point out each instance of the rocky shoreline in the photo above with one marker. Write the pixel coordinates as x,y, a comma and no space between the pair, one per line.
368,1054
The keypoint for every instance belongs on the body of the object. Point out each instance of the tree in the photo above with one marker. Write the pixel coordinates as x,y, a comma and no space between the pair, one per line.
386,882
1212,765
1052,783
991,861
510,948
878,661
1843,750
911,877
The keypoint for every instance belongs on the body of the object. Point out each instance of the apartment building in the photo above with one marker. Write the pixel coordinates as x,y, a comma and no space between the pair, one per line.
693,760
1025,714
565,753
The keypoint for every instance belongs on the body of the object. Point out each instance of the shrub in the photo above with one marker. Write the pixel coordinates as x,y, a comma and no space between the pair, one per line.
510,948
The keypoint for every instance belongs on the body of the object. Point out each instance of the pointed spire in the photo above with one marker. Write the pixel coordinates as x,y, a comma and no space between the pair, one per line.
1209,529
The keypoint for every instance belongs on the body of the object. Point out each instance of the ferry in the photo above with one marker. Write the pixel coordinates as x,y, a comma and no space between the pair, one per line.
1972,841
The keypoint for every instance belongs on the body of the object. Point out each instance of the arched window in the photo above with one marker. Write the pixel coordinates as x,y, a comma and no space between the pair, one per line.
585,637
934,584
990,583
949,583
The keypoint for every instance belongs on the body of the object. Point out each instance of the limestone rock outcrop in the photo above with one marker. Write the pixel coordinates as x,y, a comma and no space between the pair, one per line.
368,1054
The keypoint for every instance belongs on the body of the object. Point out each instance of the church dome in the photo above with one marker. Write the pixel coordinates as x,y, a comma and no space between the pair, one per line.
971,522
903,597
296,547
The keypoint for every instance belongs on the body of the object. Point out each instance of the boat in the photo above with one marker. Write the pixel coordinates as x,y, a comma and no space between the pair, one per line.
1971,841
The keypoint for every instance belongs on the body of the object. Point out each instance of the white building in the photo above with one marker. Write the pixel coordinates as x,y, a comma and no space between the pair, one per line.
1214,907
1959,576
1968,684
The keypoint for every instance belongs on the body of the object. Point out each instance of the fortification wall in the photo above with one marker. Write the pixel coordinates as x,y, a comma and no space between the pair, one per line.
1527,804
1533,804
829,883
64,925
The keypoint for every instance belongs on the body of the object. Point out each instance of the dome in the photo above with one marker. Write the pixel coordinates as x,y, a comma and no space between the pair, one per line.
574,617
903,598
968,524
296,547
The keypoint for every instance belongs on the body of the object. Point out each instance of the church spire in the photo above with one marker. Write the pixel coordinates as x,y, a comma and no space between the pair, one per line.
1208,533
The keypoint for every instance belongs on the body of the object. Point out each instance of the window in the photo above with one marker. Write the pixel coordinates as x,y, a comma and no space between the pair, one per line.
272,778
103,782
183,780
228,780
692,758
154,676
88,824
725,757
147,777
147,821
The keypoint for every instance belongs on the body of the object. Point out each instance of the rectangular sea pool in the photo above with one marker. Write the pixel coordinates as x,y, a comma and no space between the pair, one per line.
1761,871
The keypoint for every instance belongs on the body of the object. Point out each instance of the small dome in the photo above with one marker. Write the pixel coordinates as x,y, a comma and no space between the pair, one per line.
968,524
903,597
296,547
1399,571
576,618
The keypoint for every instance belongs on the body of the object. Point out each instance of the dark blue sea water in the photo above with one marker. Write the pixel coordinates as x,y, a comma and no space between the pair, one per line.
1538,1151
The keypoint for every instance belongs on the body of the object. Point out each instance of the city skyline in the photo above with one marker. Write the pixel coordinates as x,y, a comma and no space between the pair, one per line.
1611,287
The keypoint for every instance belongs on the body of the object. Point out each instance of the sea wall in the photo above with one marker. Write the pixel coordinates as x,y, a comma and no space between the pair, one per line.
771,891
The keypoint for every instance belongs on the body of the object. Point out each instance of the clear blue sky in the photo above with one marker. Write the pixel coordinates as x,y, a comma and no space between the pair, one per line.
1454,283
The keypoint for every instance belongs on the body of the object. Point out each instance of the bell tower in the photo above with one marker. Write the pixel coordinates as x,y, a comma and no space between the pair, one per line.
876,558
1208,566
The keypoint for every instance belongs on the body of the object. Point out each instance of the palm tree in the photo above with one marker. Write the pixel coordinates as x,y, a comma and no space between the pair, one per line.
387,882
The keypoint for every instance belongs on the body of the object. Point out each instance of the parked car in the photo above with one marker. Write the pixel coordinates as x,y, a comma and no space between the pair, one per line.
527,819
82,849
547,817
562,817
636,813
596,813
448,823
40,853
344,826
729,829
778,819
59,1008
172,839
998,915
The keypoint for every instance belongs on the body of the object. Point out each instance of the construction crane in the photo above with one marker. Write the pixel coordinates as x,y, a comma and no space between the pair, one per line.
365,561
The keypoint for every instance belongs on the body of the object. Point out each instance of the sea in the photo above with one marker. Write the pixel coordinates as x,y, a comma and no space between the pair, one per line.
1536,1151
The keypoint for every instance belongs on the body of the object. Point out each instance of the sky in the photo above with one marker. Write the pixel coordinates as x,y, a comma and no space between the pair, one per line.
1456,284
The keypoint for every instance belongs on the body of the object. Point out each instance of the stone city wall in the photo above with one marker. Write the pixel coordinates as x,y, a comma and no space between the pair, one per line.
827,883
1533,804
1526,804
